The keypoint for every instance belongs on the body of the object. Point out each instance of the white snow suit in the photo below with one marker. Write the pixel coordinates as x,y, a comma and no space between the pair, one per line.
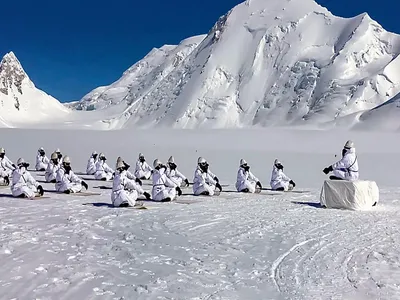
68,181
203,182
23,183
91,166
347,167
279,179
175,176
6,167
130,176
246,180
51,172
124,190
143,170
103,171
42,162
163,187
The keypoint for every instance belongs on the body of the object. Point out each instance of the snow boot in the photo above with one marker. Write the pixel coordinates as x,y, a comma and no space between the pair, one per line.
205,193
124,204
246,190
168,199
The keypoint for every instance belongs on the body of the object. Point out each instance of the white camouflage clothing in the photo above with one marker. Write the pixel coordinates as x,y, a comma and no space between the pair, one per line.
203,182
23,183
69,181
124,190
163,187
103,171
42,162
246,180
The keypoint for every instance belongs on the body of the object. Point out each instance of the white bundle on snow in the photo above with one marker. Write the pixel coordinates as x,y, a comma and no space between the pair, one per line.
353,195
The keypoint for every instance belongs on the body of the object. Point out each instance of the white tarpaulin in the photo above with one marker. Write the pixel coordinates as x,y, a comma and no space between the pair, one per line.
354,195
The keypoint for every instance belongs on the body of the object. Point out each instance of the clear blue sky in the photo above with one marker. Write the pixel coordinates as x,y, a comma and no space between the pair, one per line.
70,47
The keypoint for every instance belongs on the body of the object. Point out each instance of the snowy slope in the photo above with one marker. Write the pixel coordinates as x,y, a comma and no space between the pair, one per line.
139,79
21,103
270,246
384,117
266,62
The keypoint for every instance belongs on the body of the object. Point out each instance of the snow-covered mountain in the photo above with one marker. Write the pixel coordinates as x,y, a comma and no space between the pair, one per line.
21,103
141,78
266,62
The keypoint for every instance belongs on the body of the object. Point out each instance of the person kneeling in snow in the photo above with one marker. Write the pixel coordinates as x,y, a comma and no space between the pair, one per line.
42,161
103,171
6,168
52,168
205,182
164,189
246,182
91,165
67,181
23,184
279,181
125,191
173,173
347,167
143,171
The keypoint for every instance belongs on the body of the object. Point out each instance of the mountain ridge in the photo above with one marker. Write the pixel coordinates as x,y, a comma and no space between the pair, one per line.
263,63
347,65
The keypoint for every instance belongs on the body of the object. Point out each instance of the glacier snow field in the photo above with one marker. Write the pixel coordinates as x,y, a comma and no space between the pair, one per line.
235,246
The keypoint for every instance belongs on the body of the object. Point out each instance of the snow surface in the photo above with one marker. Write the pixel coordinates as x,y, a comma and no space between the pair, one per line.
268,246
264,63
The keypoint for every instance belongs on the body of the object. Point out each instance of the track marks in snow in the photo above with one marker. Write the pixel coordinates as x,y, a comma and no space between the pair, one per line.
241,247
277,262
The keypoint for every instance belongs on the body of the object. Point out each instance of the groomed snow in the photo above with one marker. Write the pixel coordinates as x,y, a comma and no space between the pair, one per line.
267,246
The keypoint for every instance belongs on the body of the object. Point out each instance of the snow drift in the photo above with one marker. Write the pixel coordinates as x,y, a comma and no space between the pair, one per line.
21,103
263,63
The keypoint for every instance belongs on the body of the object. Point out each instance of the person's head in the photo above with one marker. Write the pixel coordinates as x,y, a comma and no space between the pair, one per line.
59,154
278,164
202,163
2,152
66,163
120,166
243,164
42,152
141,157
157,164
102,157
94,155
171,163
54,158
347,147
22,164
